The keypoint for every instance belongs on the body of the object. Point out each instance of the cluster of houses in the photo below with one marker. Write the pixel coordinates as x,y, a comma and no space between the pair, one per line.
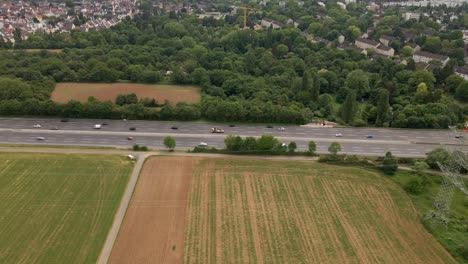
49,17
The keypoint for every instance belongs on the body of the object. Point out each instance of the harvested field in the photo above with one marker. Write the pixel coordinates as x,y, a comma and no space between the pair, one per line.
65,92
58,208
257,211
153,228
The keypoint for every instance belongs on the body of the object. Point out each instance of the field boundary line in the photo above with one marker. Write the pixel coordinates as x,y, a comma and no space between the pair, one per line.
120,214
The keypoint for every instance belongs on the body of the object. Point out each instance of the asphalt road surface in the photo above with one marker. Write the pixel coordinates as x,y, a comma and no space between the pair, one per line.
81,132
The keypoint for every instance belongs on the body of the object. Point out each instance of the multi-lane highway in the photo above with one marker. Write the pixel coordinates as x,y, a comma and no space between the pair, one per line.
80,132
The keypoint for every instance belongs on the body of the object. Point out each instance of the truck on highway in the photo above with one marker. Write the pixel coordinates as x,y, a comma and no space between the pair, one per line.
217,130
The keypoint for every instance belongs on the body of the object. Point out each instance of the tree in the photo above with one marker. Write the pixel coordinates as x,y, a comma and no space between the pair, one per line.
267,142
422,88
420,167
292,146
312,147
383,107
437,155
415,186
407,51
357,80
462,91
233,143
170,143
316,88
334,148
452,82
349,108
389,164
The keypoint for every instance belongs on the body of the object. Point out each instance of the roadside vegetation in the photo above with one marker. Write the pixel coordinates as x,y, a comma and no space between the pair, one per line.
58,208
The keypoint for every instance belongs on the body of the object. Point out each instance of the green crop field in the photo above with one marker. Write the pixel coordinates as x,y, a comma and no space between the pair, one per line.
257,211
58,208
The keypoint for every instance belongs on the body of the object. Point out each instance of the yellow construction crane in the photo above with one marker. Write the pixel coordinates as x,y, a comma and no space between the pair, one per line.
245,14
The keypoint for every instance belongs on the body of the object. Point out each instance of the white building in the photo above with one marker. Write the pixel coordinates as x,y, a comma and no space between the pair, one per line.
462,72
409,15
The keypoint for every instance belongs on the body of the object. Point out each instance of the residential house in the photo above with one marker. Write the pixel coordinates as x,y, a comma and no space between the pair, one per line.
414,46
366,43
410,15
385,39
267,23
426,57
462,72
384,50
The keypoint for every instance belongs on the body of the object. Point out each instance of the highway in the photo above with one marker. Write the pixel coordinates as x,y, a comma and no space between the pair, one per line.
80,132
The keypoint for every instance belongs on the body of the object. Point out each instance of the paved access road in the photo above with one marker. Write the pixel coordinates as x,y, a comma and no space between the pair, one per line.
80,132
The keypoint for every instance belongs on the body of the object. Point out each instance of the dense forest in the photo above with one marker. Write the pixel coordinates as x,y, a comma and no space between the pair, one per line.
246,75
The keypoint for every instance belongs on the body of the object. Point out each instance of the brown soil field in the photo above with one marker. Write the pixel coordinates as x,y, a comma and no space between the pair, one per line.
257,211
153,228
65,92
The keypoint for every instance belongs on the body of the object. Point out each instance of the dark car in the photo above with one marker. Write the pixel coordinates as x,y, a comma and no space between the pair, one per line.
369,136
132,128
269,126
54,128
129,138
64,120
104,124
232,125
174,127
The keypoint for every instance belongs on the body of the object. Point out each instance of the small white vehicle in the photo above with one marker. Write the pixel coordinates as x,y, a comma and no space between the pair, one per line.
280,128
284,145
203,144
40,138
97,126
131,157
37,126
338,135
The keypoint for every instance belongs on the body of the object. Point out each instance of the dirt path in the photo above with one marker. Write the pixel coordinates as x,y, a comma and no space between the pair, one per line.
153,230
119,216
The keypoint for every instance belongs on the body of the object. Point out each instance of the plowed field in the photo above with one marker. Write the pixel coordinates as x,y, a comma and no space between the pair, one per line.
65,92
257,211
58,208
153,228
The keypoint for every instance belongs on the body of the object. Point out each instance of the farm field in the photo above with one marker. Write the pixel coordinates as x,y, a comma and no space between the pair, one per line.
153,228
58,208
252,211
65,92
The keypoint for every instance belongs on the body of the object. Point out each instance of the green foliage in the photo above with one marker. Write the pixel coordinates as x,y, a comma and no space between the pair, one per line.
420,167
170,143
267,143
137,147
383,108
462,91
125,99
292,146
312,147
389,164
349,108
334,148
415,186
437,155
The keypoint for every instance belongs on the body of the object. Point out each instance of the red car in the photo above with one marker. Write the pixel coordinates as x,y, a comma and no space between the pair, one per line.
130,138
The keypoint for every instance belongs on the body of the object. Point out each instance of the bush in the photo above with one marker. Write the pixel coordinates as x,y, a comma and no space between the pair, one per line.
137,147
170,143
389,164
415,186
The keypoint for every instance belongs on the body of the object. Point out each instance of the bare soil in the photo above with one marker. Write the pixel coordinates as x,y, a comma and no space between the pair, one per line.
65,92
153,228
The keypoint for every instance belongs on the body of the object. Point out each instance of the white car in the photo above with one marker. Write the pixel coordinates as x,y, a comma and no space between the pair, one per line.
280,128
40,138
203,144
131,157
338,135
98,126
37,126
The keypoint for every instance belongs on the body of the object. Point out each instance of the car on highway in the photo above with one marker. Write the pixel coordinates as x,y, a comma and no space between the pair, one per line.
54,128
37,126
369,136
458,136
338,135
40,138
64,120
174,127
104,124
217,130
129,138
232,125
269,126
203,144
132,128
97,126
281,128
